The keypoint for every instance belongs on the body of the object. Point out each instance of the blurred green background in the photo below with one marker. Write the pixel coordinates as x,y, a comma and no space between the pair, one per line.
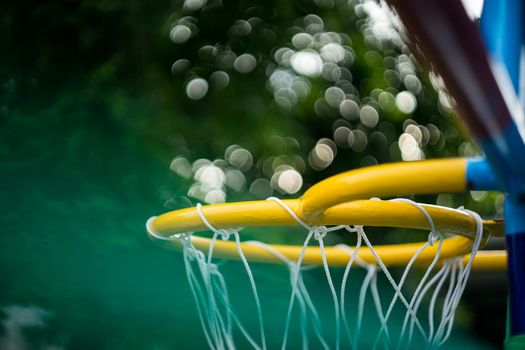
111,112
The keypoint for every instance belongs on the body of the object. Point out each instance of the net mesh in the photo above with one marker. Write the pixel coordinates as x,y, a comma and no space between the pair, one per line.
428,308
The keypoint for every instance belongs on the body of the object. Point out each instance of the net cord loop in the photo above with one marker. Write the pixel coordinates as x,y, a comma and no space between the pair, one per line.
225,234
449,298
223,292
420,293
352,253
302,290
226,303
449,266
455,267
214,319
209,310
398,293
192,255
197,295
439,276
318,232
433,237
442,335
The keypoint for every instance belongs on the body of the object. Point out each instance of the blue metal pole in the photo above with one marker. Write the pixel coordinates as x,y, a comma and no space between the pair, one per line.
515,238
442,30
480,177
502,31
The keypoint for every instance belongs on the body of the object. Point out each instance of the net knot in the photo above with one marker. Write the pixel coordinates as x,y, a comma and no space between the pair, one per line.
319,232
354,228
225,234
433,237
213,269
194,254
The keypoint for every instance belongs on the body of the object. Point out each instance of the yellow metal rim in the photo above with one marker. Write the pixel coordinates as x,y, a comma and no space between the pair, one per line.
266,213
343,200
386,181
489,260
360,212
397,255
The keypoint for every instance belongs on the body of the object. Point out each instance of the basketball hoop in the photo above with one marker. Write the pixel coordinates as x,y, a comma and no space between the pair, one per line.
334,205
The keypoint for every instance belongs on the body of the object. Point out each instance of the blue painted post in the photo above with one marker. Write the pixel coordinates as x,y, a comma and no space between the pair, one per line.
502,30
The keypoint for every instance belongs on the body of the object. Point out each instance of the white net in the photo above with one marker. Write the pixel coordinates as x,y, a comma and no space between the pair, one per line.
427,308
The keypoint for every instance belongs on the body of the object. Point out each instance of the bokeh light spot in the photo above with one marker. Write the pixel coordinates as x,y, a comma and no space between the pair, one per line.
197,88
180,34
245,63
406,102
307,63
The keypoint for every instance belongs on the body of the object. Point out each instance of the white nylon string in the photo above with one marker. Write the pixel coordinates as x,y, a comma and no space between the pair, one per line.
209,307
295,278
361,306
442,335
448,267
227,305
353,257
225,234
418,300
319,236
433,236
218,317
197,295
318,233
397,289
379,308
218,332
302,291
189,254
223,293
